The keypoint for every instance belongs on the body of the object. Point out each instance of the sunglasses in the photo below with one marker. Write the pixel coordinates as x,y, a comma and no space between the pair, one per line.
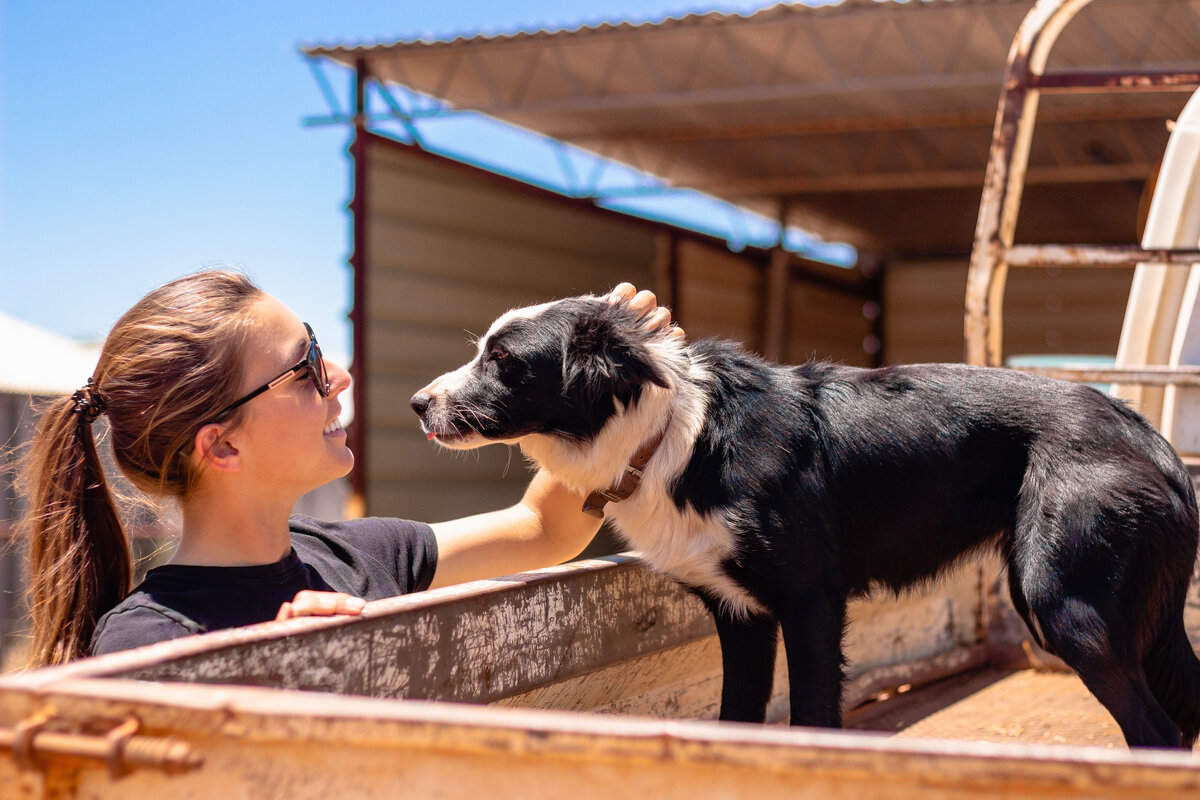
313,361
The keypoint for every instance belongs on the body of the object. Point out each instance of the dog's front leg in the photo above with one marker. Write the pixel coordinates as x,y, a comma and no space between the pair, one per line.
748,646
813,625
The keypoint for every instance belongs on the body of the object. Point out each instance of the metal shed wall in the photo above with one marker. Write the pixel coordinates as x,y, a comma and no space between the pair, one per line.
826,321
1046,311
723,294
720,294
447,250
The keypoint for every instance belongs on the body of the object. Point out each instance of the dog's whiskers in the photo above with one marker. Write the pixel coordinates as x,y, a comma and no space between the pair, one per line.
476,412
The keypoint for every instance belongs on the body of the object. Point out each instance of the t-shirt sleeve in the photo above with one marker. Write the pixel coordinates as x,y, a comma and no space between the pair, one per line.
407,550
127,628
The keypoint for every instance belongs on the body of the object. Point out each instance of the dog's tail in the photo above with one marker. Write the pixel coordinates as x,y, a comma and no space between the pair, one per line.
1173,672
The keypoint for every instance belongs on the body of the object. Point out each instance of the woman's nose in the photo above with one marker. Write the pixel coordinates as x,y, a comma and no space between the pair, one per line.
339,379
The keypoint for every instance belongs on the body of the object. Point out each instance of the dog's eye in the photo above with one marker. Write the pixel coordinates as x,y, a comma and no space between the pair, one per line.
498,354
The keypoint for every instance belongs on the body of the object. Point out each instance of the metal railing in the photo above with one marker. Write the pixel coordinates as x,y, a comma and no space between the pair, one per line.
1025,80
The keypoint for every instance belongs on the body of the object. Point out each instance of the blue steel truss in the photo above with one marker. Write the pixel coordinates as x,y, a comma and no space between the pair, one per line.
489,144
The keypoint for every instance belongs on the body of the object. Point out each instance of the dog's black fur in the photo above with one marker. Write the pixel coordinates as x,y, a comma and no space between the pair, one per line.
832,480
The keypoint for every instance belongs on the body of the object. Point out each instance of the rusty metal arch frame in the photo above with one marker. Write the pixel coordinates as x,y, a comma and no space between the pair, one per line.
994,252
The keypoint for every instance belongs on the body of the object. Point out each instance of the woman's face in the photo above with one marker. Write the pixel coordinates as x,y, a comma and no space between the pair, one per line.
290,438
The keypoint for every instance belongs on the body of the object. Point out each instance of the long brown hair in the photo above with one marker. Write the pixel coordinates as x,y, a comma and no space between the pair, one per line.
167,364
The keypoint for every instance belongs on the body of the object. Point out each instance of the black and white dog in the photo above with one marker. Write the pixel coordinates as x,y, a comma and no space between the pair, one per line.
776,493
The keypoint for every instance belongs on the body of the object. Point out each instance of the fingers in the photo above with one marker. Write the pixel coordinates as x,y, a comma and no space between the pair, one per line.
308,603
658,318
621,293
654,316
642,302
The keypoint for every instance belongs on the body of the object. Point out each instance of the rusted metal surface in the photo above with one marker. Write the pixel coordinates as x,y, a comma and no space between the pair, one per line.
993,251
121,749
605,635
588,636
267,744
1004,179
1077,82
1082,255
474,643
1148,375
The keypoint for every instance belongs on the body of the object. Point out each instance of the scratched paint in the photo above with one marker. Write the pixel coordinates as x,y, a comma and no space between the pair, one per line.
608,635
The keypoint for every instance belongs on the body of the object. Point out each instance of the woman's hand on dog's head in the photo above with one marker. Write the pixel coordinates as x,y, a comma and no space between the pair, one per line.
645,303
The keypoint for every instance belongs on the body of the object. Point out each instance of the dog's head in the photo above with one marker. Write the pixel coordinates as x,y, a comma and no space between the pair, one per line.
561,369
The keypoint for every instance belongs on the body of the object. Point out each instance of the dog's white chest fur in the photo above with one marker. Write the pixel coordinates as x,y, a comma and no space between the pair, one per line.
682,543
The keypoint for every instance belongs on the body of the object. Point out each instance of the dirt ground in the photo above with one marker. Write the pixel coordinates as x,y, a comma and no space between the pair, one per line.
1028,706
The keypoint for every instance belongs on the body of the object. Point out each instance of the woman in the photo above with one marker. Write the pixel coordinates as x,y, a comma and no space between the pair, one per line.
217,395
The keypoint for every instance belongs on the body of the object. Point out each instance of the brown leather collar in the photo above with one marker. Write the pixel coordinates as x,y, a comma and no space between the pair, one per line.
631,479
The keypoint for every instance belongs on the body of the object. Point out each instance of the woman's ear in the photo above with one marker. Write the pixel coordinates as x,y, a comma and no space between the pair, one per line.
213,450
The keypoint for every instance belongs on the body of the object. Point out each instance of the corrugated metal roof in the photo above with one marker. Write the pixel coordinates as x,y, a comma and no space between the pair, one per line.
582,29
869,121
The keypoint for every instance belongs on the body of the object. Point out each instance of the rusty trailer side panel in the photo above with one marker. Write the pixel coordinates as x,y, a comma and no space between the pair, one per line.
604,635
598,636
169,720
265,744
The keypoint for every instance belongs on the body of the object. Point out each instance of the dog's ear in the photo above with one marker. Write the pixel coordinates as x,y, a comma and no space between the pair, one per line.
606,356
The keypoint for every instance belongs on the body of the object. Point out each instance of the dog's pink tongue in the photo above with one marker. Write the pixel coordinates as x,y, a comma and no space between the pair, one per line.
429,437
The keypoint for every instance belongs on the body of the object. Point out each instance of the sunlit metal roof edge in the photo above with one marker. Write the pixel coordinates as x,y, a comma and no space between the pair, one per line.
693,19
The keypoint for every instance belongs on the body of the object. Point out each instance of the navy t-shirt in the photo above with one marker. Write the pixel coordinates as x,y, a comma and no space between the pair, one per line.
369,558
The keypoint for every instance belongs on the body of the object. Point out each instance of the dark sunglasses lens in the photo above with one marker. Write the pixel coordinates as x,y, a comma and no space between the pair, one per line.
316,368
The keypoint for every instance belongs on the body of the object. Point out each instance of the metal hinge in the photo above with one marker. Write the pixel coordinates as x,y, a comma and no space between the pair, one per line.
121,748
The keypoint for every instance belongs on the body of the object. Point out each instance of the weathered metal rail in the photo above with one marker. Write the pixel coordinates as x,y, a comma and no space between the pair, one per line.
993,252
321,707
271,745
1149,376
606,636
1114,256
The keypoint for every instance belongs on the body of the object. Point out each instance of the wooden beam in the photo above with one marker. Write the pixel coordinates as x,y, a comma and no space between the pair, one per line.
775,303
833,126
913,181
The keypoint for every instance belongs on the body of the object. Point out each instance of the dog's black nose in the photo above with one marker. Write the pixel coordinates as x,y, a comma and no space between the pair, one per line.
420,403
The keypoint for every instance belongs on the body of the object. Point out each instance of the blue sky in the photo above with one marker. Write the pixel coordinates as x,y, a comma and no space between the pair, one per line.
142,140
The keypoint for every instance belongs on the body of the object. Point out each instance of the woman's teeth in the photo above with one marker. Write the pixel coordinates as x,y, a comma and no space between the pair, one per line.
334,426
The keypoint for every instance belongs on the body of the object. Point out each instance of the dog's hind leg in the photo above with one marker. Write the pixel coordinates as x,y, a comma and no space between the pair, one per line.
1088,605
1079,634
813,626
748,647
1173,672
1087,560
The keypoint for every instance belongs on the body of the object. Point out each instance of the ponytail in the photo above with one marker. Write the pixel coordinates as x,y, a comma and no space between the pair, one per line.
167,365
79,560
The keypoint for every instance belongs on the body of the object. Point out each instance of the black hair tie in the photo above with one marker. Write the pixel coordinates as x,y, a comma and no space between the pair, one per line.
89,402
